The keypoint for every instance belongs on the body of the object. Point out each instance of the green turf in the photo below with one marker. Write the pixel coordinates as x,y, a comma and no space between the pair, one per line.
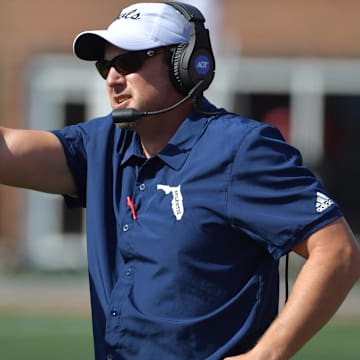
336,341
34,337
45,337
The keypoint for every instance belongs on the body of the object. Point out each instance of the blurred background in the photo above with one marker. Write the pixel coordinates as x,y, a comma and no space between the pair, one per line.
295,64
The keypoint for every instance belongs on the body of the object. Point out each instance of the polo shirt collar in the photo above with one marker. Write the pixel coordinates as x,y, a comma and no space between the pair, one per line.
133,150
178,148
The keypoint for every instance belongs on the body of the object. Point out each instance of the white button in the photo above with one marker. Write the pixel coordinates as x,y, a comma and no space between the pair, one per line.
109,357
142,187
126,227
128,272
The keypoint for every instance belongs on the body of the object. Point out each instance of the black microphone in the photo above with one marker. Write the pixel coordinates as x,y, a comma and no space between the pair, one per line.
130,115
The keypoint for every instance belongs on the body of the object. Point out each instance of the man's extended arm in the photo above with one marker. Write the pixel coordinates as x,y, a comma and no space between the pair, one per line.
331,269
35,160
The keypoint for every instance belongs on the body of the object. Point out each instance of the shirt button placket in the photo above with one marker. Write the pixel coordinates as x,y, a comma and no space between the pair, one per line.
114,313
129,272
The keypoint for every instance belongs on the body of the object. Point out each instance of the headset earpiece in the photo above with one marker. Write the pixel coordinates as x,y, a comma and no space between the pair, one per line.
175,66
194,61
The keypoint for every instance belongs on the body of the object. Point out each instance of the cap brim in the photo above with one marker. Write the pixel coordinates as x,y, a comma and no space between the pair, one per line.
90,45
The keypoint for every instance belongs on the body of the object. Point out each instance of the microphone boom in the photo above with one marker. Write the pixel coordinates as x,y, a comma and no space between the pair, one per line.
130,115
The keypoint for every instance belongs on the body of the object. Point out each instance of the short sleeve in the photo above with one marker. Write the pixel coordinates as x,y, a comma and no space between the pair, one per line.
72,139
273,197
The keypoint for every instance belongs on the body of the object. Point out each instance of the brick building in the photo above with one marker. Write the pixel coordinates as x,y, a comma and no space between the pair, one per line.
298,61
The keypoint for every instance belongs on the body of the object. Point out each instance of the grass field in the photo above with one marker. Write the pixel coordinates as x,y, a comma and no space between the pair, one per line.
337,341
38,337
45,337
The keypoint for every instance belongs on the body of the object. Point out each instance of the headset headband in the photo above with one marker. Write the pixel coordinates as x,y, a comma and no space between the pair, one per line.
194,61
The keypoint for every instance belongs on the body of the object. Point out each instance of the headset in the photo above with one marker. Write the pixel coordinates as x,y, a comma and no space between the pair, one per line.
192,62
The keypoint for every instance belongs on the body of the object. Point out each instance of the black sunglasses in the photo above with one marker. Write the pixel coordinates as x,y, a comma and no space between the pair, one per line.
124,64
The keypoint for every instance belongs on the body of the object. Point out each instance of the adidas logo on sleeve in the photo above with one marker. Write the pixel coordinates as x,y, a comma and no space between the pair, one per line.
322,202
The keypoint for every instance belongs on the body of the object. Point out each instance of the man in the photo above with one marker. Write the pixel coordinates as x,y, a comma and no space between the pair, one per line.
189,207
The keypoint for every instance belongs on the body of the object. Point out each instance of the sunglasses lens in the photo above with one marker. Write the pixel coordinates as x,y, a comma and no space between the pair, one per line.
124,64
129,63
103,67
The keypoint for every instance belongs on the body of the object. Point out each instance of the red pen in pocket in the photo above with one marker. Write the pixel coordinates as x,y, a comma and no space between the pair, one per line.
131,205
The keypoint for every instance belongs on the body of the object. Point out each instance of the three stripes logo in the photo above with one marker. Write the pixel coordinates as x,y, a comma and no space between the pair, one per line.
322,202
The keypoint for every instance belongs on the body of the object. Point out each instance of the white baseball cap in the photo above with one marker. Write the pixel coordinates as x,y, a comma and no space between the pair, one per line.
140,26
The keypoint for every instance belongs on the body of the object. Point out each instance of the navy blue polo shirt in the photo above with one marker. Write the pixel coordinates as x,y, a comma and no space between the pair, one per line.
183,248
